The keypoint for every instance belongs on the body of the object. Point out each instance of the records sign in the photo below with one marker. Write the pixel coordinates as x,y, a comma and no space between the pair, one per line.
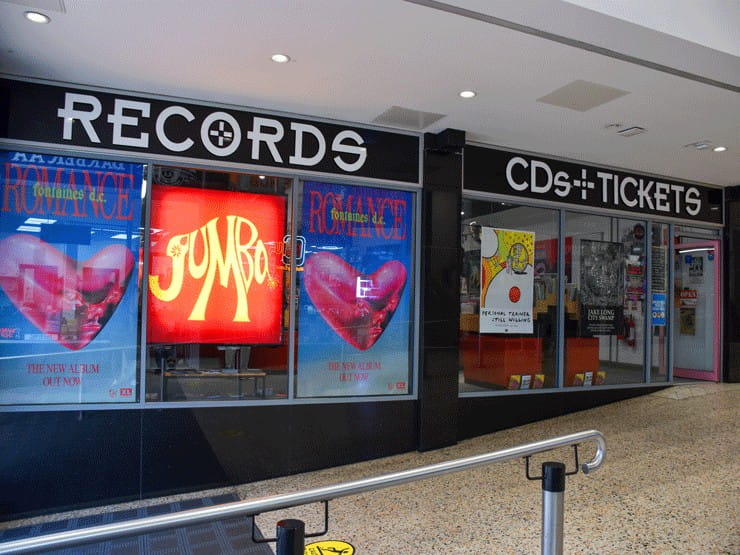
72,116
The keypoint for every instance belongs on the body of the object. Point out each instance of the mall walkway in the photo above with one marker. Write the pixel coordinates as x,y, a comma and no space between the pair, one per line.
670,484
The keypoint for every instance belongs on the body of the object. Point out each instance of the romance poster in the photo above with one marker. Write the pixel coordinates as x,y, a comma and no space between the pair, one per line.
356,291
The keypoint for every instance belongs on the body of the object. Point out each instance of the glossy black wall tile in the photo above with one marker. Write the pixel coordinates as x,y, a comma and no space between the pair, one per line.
53,461
186,449
514,410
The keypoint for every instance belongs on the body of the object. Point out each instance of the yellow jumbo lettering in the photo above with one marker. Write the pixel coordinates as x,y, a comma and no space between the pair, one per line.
177,248
243,258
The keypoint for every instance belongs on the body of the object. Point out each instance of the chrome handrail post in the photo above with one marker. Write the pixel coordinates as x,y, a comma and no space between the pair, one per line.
553,500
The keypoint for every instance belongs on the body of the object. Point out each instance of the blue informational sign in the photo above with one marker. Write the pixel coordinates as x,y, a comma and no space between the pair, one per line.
355,315
658,308
69,254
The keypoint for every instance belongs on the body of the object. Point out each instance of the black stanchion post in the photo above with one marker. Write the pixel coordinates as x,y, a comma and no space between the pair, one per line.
291,537
553,493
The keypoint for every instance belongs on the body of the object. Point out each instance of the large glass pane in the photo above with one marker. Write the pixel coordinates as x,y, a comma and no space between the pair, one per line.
605,290
217,319
69,253
356,291
508,296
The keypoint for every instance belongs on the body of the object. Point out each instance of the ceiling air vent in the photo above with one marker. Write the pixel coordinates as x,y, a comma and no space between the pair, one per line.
631,131
704,144
582,96
396,116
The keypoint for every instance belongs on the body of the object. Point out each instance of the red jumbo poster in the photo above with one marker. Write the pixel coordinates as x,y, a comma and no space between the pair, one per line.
213,267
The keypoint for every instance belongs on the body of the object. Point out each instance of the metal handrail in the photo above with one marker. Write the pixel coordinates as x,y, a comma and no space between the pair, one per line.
325,493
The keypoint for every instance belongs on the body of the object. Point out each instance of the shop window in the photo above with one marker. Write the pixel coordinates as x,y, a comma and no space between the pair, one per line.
508,297
70,237
605,300
217,318
355,291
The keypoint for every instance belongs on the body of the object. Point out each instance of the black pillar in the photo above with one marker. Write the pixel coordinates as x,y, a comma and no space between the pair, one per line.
732,285
440,282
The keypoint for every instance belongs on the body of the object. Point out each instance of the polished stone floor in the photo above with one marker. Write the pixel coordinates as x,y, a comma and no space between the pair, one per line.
670,484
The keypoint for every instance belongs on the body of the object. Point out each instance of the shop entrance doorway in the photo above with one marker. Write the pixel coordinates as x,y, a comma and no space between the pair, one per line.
696,314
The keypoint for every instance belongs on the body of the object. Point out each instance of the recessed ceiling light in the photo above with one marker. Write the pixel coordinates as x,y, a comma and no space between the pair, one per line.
467,94
262,176
37,17
719,148
280,58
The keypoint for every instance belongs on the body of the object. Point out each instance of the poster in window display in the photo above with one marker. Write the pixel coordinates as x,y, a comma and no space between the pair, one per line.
695,265
69,252
214,275
507,281
355,298
688,300
602,287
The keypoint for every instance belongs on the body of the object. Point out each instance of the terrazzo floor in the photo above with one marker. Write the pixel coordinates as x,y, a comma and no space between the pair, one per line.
670,484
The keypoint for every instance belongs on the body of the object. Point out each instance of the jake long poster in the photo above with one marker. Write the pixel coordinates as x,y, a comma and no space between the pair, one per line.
507,281
356,291
69,249
602,287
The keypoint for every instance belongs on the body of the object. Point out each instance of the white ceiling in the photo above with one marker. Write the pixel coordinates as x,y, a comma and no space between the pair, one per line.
354,59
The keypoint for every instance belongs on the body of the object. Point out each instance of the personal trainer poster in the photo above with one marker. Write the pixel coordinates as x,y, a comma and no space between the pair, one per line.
355,291
602,287
507,281
69,253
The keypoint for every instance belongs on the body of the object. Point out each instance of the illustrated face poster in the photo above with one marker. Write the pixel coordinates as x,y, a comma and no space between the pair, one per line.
355,294
507,281
213,272
602,287
69,250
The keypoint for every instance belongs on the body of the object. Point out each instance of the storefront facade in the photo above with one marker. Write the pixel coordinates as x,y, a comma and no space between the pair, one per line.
197,295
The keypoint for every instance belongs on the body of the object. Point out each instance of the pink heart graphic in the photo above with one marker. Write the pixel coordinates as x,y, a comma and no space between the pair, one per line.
69,301
357,307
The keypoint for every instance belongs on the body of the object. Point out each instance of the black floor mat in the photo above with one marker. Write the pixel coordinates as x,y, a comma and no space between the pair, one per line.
223,537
